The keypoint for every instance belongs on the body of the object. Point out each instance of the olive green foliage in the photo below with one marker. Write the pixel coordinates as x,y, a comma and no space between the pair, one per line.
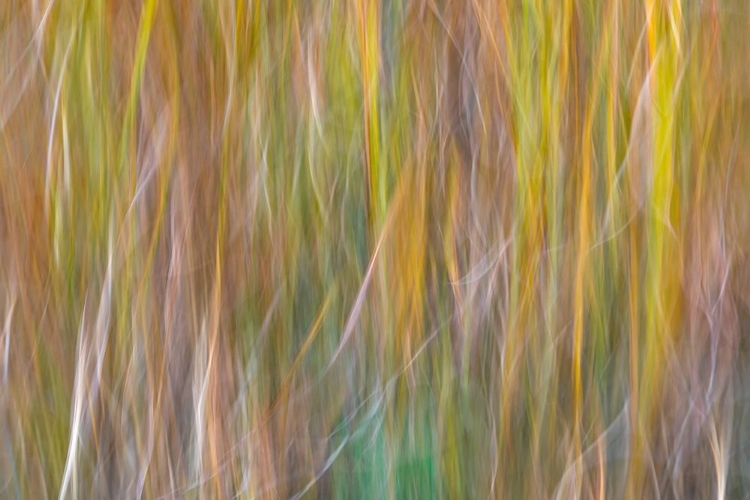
379,249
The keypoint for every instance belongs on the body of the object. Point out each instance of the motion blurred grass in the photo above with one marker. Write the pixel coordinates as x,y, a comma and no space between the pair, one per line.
375,249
